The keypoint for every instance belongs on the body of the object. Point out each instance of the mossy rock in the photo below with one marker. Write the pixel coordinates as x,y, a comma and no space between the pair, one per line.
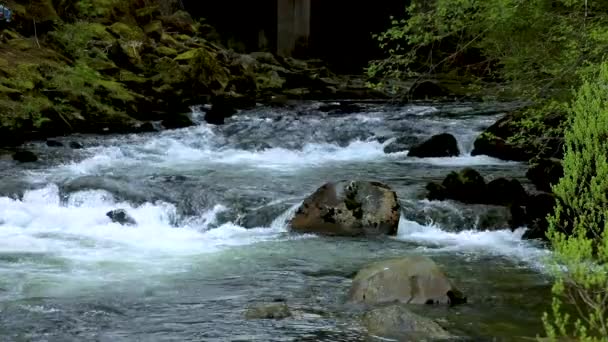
9,91
166,39
180,21
11,34
102,65
269,80
147,12
188,55
165,51
126,76
183,37
127,32
22,44
154,29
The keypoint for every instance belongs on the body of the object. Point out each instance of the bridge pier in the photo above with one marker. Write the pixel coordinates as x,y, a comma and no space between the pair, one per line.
293,25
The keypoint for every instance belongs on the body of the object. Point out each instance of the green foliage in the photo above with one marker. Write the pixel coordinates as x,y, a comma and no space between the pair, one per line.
78,38
579,227
542,47
94,9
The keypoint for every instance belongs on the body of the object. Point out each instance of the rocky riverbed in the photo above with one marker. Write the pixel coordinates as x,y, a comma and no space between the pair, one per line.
210,254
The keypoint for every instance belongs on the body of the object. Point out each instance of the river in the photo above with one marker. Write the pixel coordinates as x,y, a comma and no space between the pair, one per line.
211,205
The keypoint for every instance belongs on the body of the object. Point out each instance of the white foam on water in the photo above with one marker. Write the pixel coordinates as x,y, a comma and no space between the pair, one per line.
78,232
498,242
460,161
172,152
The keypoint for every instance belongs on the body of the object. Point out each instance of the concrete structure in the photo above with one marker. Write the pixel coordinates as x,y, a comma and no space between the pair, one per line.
293,25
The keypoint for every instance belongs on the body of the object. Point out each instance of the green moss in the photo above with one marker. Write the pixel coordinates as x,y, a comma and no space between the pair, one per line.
101,9
24,77
27,113
165,51
7,90
76,39
127,32
22,44
183,37
188,55
11,34
154,29
147,11
129,77
166,39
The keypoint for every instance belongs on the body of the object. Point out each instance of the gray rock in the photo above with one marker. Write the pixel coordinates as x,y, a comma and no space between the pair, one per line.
278,310
440,145
121,216
396,321
409,280
349,208
401,144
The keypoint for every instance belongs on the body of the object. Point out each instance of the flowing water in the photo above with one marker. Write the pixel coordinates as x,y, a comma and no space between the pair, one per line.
211,205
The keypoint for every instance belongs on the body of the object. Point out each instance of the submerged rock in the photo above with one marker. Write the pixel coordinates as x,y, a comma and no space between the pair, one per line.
221,108
177,120
76,145
25,156
441,145
396,321
54,143
276,310
349,208
401,144
121,216
467,186
409,280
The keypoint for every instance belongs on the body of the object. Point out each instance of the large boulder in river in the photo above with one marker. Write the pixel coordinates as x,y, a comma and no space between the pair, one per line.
440,145
395,321
409,280
349,208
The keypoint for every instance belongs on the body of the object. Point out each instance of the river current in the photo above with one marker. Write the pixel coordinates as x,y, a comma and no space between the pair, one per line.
211,205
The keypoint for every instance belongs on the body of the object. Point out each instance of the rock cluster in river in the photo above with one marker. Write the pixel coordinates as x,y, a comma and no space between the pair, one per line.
349,208
387,287
469,186
526,209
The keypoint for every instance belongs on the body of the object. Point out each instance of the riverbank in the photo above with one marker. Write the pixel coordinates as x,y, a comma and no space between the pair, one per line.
120,67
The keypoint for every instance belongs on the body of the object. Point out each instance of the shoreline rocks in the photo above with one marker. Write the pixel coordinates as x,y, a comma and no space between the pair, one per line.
349,208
